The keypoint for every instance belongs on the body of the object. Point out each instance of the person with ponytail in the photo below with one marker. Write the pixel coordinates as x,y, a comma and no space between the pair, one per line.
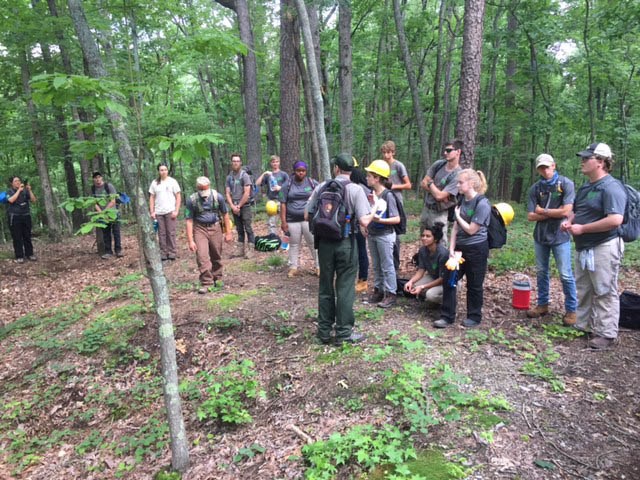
469,236
432,256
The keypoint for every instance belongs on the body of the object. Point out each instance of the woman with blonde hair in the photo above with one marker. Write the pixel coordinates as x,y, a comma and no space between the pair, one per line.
468,236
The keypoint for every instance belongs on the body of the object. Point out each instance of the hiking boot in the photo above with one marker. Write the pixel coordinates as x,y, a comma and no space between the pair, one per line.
119,254
538,311
322,341
470,323
569,319
239,250
389,300
33,258
361,286
292,272
442,323
601,343
376,296
353,338
19,260
248,250
106,256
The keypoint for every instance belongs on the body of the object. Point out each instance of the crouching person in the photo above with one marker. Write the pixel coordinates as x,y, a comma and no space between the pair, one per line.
207,222
432,256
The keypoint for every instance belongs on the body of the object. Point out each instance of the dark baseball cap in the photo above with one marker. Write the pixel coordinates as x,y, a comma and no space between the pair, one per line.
344,162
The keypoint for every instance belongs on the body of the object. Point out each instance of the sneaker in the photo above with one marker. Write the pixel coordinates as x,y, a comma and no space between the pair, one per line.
470,323
538,311
33,258
376,296
601,343
388,301
353,338
119,254
19,260
292,272
106,255
442,323
361,286
569,319
203,289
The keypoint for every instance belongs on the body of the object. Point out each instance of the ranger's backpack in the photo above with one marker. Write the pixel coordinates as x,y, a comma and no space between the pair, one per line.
400,228
329,215
196,201
630,228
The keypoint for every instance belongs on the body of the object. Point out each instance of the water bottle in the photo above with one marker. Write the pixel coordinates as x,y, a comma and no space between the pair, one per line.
285,242
273,183
155,226
347,226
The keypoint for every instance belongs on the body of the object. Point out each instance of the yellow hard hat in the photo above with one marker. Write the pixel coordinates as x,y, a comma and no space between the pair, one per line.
379,167
506,212
272,208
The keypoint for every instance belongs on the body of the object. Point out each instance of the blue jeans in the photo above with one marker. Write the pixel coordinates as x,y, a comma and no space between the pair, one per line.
562,254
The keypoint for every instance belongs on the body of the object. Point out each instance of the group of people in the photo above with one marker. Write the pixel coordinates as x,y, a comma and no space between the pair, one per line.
373,204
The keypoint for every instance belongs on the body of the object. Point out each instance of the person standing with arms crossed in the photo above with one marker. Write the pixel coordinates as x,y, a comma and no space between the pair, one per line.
238,193
441,185
550,203
597,213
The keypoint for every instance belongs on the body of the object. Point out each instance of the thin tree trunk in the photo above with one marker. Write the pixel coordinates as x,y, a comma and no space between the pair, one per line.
345,77
315,87
413,85
587,54
437,80
177,434
39,153
467,120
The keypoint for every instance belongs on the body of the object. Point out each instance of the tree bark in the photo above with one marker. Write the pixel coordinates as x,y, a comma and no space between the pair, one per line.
289,86
345,77
39,153
177,434
413,86
315,87
467,121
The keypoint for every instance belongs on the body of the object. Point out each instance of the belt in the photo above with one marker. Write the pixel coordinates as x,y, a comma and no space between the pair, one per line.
206,224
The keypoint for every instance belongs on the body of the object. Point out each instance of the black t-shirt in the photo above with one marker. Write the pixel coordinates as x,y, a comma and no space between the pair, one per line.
21,205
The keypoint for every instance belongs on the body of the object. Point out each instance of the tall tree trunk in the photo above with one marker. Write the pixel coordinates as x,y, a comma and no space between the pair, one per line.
39,153
509,107
315,88
587,53
346,79
437,80
467,120
289,86
446,100
311,139
413,85
130,174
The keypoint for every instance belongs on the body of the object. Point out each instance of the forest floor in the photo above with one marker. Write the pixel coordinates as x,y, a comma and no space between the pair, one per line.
82,398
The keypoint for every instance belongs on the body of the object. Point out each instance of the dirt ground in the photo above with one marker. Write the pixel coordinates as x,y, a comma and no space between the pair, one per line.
590,430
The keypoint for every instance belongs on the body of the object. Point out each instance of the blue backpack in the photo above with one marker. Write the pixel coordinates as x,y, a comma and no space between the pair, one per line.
4,198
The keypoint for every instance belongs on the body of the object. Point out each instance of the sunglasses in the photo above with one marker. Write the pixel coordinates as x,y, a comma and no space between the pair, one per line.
449,150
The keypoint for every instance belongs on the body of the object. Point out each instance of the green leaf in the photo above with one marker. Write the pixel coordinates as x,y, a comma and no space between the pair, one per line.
59,81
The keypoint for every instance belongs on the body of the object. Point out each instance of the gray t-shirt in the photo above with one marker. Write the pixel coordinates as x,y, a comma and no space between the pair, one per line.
21,205
236,183
474,211
398,172
594,201
434,262
281,177
385,207
355,200
556,195
445,181
295,196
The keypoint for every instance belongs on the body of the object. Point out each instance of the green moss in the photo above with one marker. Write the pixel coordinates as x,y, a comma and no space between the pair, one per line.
430,464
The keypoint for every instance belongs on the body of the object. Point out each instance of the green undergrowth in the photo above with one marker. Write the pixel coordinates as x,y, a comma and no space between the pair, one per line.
231,301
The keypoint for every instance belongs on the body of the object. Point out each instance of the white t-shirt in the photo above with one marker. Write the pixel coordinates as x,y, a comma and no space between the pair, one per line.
165,195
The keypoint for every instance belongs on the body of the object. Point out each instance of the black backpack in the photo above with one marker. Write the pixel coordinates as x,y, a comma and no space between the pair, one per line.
630,228
629,310
329,216
496,231
400,228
